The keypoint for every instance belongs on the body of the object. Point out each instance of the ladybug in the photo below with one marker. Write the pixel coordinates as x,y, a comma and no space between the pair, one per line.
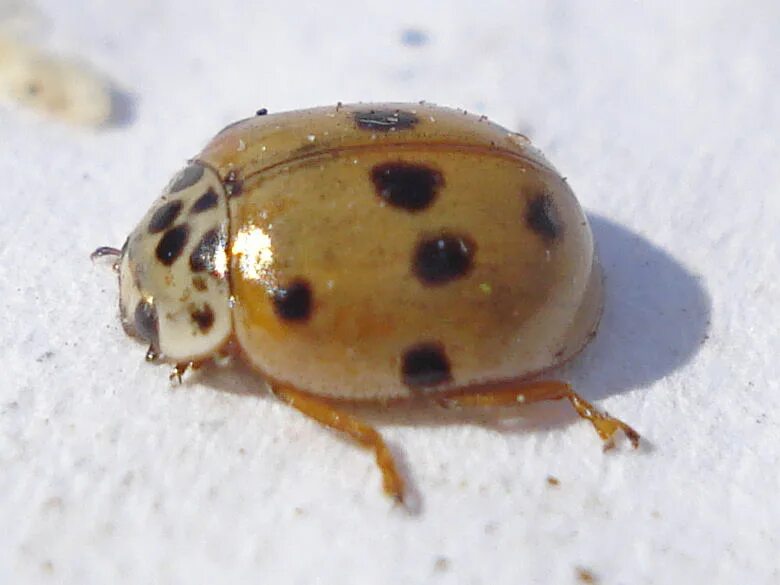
380,253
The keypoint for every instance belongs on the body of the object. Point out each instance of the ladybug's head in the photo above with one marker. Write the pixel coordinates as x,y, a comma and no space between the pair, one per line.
173,287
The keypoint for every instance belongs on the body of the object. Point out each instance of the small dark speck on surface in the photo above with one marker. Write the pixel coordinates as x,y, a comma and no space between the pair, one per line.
45,356
414,37
586,576
441,565
553,481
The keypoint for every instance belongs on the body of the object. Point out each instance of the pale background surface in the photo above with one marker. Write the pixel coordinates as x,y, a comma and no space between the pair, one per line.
664,116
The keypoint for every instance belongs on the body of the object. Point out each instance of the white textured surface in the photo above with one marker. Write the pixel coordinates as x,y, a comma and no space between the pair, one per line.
665,117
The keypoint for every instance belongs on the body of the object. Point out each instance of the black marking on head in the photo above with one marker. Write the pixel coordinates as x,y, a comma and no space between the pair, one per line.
443,258
203,318
541,216
171,245
234,186
205,202
408,186
199,283
191,174
164,217
203,257
146,323
293,302
385,120
425,364
262,112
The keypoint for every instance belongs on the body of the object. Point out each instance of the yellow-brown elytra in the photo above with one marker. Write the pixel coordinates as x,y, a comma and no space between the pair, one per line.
375,253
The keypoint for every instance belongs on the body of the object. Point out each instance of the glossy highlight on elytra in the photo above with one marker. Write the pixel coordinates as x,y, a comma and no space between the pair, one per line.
254,256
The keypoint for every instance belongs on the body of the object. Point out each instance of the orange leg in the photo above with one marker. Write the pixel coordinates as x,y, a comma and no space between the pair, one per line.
606,426
178,370
326,414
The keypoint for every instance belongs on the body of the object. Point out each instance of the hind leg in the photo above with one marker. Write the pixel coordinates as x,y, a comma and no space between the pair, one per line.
536,391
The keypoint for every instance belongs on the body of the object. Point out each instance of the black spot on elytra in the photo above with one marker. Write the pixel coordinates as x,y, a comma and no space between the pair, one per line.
146,323
407,186
203,257
188,177
443,258
203,318
205,202
293,302
234,186
425,364
171,245
541,216
385,120
164,217
262,112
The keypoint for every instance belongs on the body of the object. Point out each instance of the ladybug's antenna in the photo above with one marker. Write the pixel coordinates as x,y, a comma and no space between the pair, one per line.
105,251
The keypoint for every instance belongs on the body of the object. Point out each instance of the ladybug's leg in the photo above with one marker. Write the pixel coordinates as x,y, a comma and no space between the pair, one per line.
326,414
606,426
178,370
